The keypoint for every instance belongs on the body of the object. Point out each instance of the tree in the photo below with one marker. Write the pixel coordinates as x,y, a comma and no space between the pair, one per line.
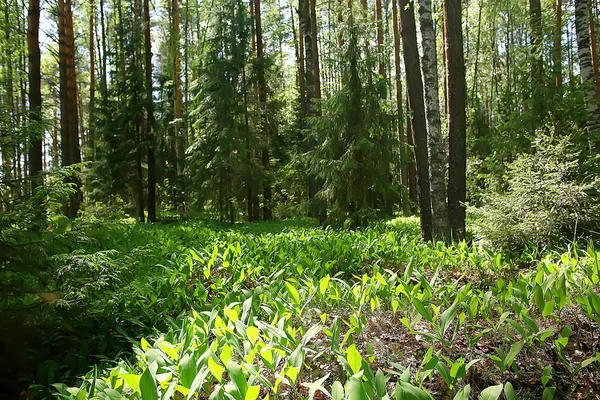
399,105
417,108
587,71
150,122
69,116
262,95
35,93
457,162
537,63
435,141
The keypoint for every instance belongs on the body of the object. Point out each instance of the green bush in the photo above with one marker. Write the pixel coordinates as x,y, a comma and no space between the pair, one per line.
546,200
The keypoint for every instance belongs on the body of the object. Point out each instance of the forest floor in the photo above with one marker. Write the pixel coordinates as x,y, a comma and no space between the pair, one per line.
288,310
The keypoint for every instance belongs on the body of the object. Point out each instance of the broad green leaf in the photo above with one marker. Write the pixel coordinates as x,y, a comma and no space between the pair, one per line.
237,375
513,352
324,284
548,393
148,386
232,314
447,317
215,369
491,393
406,391
463,394
509,391
356,390
422,310
354,359
252,332
295,296
252,393
337,391
187,370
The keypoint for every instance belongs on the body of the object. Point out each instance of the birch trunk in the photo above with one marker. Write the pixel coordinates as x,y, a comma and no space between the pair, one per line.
435,141
587,71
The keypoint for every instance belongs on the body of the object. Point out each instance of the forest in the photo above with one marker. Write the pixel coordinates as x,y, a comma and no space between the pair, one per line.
299,199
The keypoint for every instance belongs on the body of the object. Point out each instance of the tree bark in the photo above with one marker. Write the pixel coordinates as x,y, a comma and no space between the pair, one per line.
380,50
178,108
91,140
150,122
435,141
262,98
592,25
587,71
399,105
457,168
68,99
537,66
417,107
35,94
558,45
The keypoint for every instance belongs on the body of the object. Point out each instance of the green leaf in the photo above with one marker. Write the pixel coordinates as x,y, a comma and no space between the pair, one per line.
463,394
356,390
380,384
187,370
422,310
236,374
252,393
354,359
548,309
215,369
538,296
512,353
148,386
447,317
548,393
491,393
406,391
337,391
252,332
295,296
324,284
509,392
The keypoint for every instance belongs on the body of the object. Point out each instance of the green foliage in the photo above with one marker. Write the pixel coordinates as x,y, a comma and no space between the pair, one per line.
547,200
355,153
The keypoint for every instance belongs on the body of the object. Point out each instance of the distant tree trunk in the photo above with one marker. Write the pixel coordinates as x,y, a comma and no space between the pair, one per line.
380,50
262,98
104,53
91,142
587,71
592,25
417,107
178,107
445,55
300,61
150,123
537,66
399,105
457,122
435,141
558,45
68,99
315,47
35,94
316,208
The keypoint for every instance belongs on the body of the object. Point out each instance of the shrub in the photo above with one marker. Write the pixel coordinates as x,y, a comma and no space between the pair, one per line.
546,200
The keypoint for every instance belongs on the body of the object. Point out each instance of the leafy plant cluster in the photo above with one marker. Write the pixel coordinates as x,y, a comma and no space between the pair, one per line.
249,313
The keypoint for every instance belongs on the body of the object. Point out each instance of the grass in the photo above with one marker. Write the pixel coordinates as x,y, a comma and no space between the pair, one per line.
286,310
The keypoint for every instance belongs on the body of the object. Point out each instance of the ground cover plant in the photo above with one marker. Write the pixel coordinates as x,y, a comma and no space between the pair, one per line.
199,309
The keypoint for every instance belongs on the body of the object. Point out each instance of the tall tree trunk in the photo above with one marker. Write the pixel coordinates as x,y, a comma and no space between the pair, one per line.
399,105
457,122
435,141
417,107
592,25
68,99
587,72
558,45
35,94
316,208
537,66
91,140
380,50
103,80
315,47
150,123
445,56
178,107
262,98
